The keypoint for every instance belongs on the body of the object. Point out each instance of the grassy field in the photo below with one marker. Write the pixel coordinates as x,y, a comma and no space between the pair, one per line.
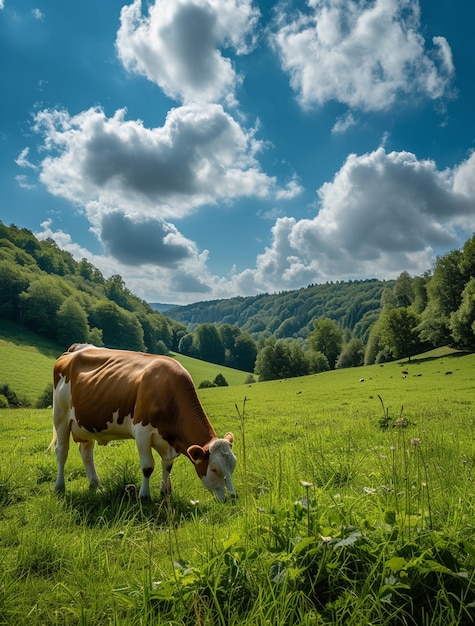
356,506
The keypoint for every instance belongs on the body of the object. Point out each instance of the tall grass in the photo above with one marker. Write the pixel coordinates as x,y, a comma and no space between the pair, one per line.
350,511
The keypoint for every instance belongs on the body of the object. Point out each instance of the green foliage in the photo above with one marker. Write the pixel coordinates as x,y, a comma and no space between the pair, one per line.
326,338
46,289
290,314
398,332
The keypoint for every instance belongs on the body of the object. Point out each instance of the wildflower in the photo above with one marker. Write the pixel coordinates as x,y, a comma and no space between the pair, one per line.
306,484
369,490
415,441
400,422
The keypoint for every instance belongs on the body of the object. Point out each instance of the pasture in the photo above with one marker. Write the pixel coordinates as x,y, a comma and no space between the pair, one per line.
356,506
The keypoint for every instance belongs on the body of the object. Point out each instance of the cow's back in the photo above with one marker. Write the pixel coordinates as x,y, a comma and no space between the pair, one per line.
110,385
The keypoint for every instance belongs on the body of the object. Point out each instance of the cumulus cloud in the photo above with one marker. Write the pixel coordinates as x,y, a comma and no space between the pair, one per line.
201,155
381,213
362,54
179,45
138,242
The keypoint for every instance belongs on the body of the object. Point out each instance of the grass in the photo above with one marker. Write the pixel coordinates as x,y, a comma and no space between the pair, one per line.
355,506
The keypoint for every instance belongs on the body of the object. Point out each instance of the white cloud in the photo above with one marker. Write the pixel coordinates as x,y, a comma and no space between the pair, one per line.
343,123
382,213
362,54
178,45
201,155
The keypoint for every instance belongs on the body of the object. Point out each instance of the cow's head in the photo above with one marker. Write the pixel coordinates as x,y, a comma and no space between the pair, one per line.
215,466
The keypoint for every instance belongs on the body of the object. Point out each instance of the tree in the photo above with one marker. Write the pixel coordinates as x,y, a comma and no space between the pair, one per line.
352,354
403,291
398,332
41,302
72,325
462,321
12,282
209,344
327,338
444,293
120,328
245,352
274,360
185,345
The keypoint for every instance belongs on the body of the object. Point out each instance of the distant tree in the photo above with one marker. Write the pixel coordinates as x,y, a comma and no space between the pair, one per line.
245,352
274,361
120,328
186,346
444,293
209,344
398,332
72,324
318,362
327,338
41,302
403,291
462,321
12,282
300,365
352,354
95,337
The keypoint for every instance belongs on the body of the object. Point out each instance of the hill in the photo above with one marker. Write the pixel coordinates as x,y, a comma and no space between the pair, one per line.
355,305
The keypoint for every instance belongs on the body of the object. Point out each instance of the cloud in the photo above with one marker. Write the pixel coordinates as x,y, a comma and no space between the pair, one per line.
138,242
381,213
178,45
200,156
343,123
364,55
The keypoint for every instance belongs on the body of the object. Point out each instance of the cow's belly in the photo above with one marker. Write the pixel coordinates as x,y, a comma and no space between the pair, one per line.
125,429
113,430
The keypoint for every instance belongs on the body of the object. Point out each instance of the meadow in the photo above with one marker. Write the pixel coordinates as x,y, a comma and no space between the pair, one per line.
355,506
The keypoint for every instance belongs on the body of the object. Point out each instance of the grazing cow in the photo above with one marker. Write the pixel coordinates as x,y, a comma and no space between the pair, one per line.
102,395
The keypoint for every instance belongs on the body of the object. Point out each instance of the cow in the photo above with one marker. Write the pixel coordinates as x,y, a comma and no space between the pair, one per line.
103,395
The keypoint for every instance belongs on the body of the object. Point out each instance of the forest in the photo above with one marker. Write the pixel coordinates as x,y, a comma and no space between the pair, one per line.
323,326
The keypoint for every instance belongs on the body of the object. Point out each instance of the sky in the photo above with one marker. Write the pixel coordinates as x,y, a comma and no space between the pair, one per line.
204,149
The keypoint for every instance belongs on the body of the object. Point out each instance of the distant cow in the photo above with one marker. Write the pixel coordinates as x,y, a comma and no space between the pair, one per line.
102,395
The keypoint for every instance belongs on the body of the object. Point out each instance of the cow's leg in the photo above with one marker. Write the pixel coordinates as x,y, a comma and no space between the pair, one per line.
147,462
62,449
166,486
61,441
86,448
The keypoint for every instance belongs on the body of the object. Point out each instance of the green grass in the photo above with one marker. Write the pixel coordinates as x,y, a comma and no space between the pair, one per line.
338,520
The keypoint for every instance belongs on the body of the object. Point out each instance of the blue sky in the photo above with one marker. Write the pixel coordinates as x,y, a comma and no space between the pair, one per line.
210,148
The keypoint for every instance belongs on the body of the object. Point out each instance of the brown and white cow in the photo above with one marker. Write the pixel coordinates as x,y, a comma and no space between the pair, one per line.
102,395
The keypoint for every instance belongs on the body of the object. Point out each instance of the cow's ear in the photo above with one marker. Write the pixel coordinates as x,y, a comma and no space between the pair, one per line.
196,453
229,437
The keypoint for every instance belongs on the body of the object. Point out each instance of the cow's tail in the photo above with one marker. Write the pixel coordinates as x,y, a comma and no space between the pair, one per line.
53,440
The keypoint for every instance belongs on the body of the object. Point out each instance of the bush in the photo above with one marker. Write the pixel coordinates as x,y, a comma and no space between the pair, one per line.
11,397
3,402
206,384
220,381
46,398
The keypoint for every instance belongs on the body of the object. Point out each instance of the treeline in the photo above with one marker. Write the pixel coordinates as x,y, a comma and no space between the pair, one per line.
46,290
344,324
354,305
